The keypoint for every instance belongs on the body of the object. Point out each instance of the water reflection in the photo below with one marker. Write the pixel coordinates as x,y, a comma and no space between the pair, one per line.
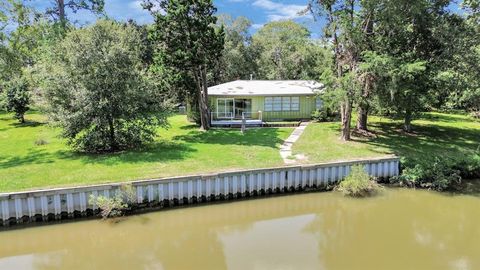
403,229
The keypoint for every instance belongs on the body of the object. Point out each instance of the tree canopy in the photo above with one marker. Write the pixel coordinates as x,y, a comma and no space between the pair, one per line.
108,83
186,39
96,87
286,52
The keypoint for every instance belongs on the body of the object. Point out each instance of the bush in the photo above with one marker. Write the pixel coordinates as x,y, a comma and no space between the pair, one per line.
475,114
40,141
17,97
358,183
442,174
320,115
128,135
117,205
324,115
469,167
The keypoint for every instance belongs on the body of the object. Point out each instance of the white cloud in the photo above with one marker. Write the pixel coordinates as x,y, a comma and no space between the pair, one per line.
123,11
257,26
278,11
136,5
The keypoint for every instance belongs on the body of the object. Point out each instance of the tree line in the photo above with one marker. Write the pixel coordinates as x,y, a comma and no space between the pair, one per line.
109,85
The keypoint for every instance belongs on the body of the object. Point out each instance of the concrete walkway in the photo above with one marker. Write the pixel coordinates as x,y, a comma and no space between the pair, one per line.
286,148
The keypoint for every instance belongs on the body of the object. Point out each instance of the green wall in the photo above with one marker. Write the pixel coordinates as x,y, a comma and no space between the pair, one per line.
307,106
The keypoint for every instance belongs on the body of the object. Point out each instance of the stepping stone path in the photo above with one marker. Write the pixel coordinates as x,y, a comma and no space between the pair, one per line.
286,148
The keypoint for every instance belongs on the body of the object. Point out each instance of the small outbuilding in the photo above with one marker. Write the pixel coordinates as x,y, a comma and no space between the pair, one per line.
262,100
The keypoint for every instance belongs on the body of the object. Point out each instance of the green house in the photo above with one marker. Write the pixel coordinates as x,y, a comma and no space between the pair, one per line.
260,101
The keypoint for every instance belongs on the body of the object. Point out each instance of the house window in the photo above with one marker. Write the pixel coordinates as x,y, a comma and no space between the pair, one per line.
318,103
285,104
282,104
225,107
295,105
277,104
268,104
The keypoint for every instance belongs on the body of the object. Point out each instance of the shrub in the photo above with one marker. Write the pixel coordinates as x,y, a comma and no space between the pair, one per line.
117,205
323,115
469,167
40,141
476,114
319,115
442,174
18,97
358,183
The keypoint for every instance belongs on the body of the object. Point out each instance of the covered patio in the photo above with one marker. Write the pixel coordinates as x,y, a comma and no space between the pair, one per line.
231,119
236,122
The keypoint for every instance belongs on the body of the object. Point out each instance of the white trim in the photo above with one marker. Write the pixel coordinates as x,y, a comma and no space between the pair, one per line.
225,108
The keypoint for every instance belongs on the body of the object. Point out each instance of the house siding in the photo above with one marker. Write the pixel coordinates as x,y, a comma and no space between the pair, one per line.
307,106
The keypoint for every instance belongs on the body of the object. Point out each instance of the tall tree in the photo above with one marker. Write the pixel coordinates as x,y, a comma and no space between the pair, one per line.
24,42
5,54
237,60
343,27
58,11
458,83
410,38
96,87
187,39
397,34
12,45
284,51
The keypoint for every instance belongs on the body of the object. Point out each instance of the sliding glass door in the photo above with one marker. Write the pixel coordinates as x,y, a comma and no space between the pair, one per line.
243,106
225,108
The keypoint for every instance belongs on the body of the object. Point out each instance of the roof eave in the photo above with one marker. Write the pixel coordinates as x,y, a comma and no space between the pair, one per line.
265,95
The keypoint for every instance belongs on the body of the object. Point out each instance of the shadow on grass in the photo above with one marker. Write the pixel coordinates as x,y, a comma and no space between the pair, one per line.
155,152
447,118
255,137
28,123
180,148
33,157
426,143
190,127
162,151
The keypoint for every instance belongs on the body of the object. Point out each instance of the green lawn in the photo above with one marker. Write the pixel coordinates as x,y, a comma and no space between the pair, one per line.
183,149
180,150
435,134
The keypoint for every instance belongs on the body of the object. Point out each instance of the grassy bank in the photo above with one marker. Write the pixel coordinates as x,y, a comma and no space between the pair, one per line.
180,150
183,149
435,134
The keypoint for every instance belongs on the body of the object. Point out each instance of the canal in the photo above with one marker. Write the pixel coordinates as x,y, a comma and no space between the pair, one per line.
400,229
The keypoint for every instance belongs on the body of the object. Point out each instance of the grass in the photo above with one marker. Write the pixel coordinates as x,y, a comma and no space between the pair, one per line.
435,134
33,155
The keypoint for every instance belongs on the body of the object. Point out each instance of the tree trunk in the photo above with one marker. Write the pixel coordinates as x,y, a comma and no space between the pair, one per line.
113,145
407,126
201,80
22,118
193,111
61,13
346,113
362,117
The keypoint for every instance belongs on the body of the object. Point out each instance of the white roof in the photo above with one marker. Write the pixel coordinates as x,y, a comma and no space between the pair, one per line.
265,88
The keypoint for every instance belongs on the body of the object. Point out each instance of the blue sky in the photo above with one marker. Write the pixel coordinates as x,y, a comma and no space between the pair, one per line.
258,11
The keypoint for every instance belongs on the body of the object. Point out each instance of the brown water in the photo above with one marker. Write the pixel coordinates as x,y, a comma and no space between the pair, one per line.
402,229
